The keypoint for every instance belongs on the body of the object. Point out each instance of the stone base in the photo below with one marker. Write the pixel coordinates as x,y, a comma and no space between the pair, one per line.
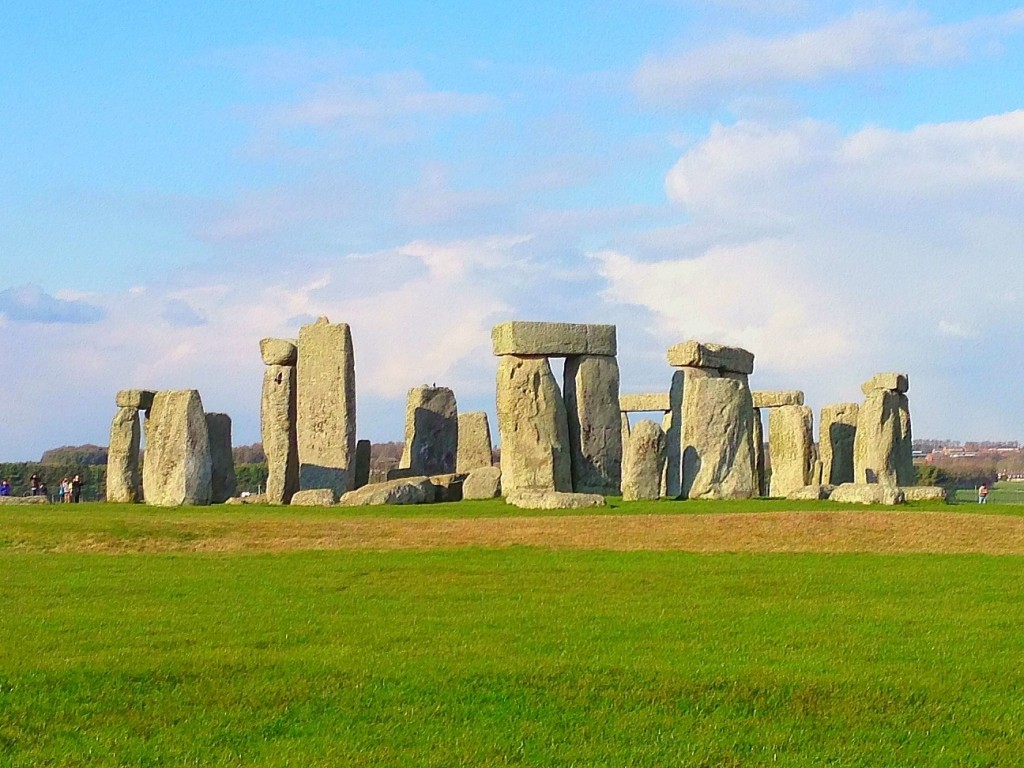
482,483
925,493
863,493
810,493
413,490
316,497
24,500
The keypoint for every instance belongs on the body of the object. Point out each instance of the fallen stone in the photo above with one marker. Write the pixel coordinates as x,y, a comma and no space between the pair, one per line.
279,352
277,428
255,498
645,403
694,354
591,394
553,339
863,493
222,474
534,428
431,431
142,399
877,439
326,406
24,500
313,497
644,464
893,382
177,468
777,398
815,492
124,477
554,500
925,493
718,443
837,431
791,448
474,442
413,490
482,483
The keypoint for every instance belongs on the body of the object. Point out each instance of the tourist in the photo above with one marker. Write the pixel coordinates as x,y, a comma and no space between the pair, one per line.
41,489
983,494
60,490
5,488
76,489
34,484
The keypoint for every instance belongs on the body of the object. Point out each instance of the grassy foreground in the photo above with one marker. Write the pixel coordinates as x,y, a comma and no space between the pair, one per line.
509,656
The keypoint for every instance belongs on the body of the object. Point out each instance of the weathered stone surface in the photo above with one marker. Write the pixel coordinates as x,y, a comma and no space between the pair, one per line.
591,394
411,490
177,469
124,479
776,398
474,442
877,439
554,500
362,463
694,354
863,493
791,448
431,431
644,403
222,461
326,406
553,339
24,500
279,352
253,498
448,487
894,382
313,497
482,483
718,440
142,399
644,464
905,472
278,431
534,427
925,493
760,470
814,492
835,442
672,425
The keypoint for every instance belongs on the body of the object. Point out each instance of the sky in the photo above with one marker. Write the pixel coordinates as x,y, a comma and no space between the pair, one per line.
835,186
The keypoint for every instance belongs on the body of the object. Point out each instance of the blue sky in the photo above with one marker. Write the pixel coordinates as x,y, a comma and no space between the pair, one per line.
833,185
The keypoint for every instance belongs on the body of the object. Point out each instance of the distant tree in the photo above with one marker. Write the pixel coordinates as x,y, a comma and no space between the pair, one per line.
251,477
85,455
249,454
928,474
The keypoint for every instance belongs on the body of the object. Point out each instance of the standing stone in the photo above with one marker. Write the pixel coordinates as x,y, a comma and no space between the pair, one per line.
277,428
431,431
905,472
591,394
791,447
644,463
533,425
474,442
835,442
362,463
672,424
877,439
123,478
759,467
222,462
177,469
326,407
718,440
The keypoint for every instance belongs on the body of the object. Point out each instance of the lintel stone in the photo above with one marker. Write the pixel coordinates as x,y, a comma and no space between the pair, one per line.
894,382
553,339
777,398
656,401
694,354
135,398
278,351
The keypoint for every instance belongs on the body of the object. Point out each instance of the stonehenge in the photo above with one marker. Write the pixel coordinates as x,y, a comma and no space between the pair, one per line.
222,463
558,440
474,449
644,465
178,468
655,402
326,407
791,447
278,419
836,431
882,443
124,479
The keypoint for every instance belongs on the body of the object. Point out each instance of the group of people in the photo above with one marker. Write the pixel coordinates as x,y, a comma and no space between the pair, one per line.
69,491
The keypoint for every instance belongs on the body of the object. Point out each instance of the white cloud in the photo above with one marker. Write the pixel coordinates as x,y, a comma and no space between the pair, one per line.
864,40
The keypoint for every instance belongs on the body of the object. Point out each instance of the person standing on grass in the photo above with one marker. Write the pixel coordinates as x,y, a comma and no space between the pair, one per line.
5,488
983,494
76,489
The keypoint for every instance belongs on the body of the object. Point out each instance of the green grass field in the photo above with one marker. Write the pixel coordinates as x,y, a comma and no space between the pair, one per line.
476,656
